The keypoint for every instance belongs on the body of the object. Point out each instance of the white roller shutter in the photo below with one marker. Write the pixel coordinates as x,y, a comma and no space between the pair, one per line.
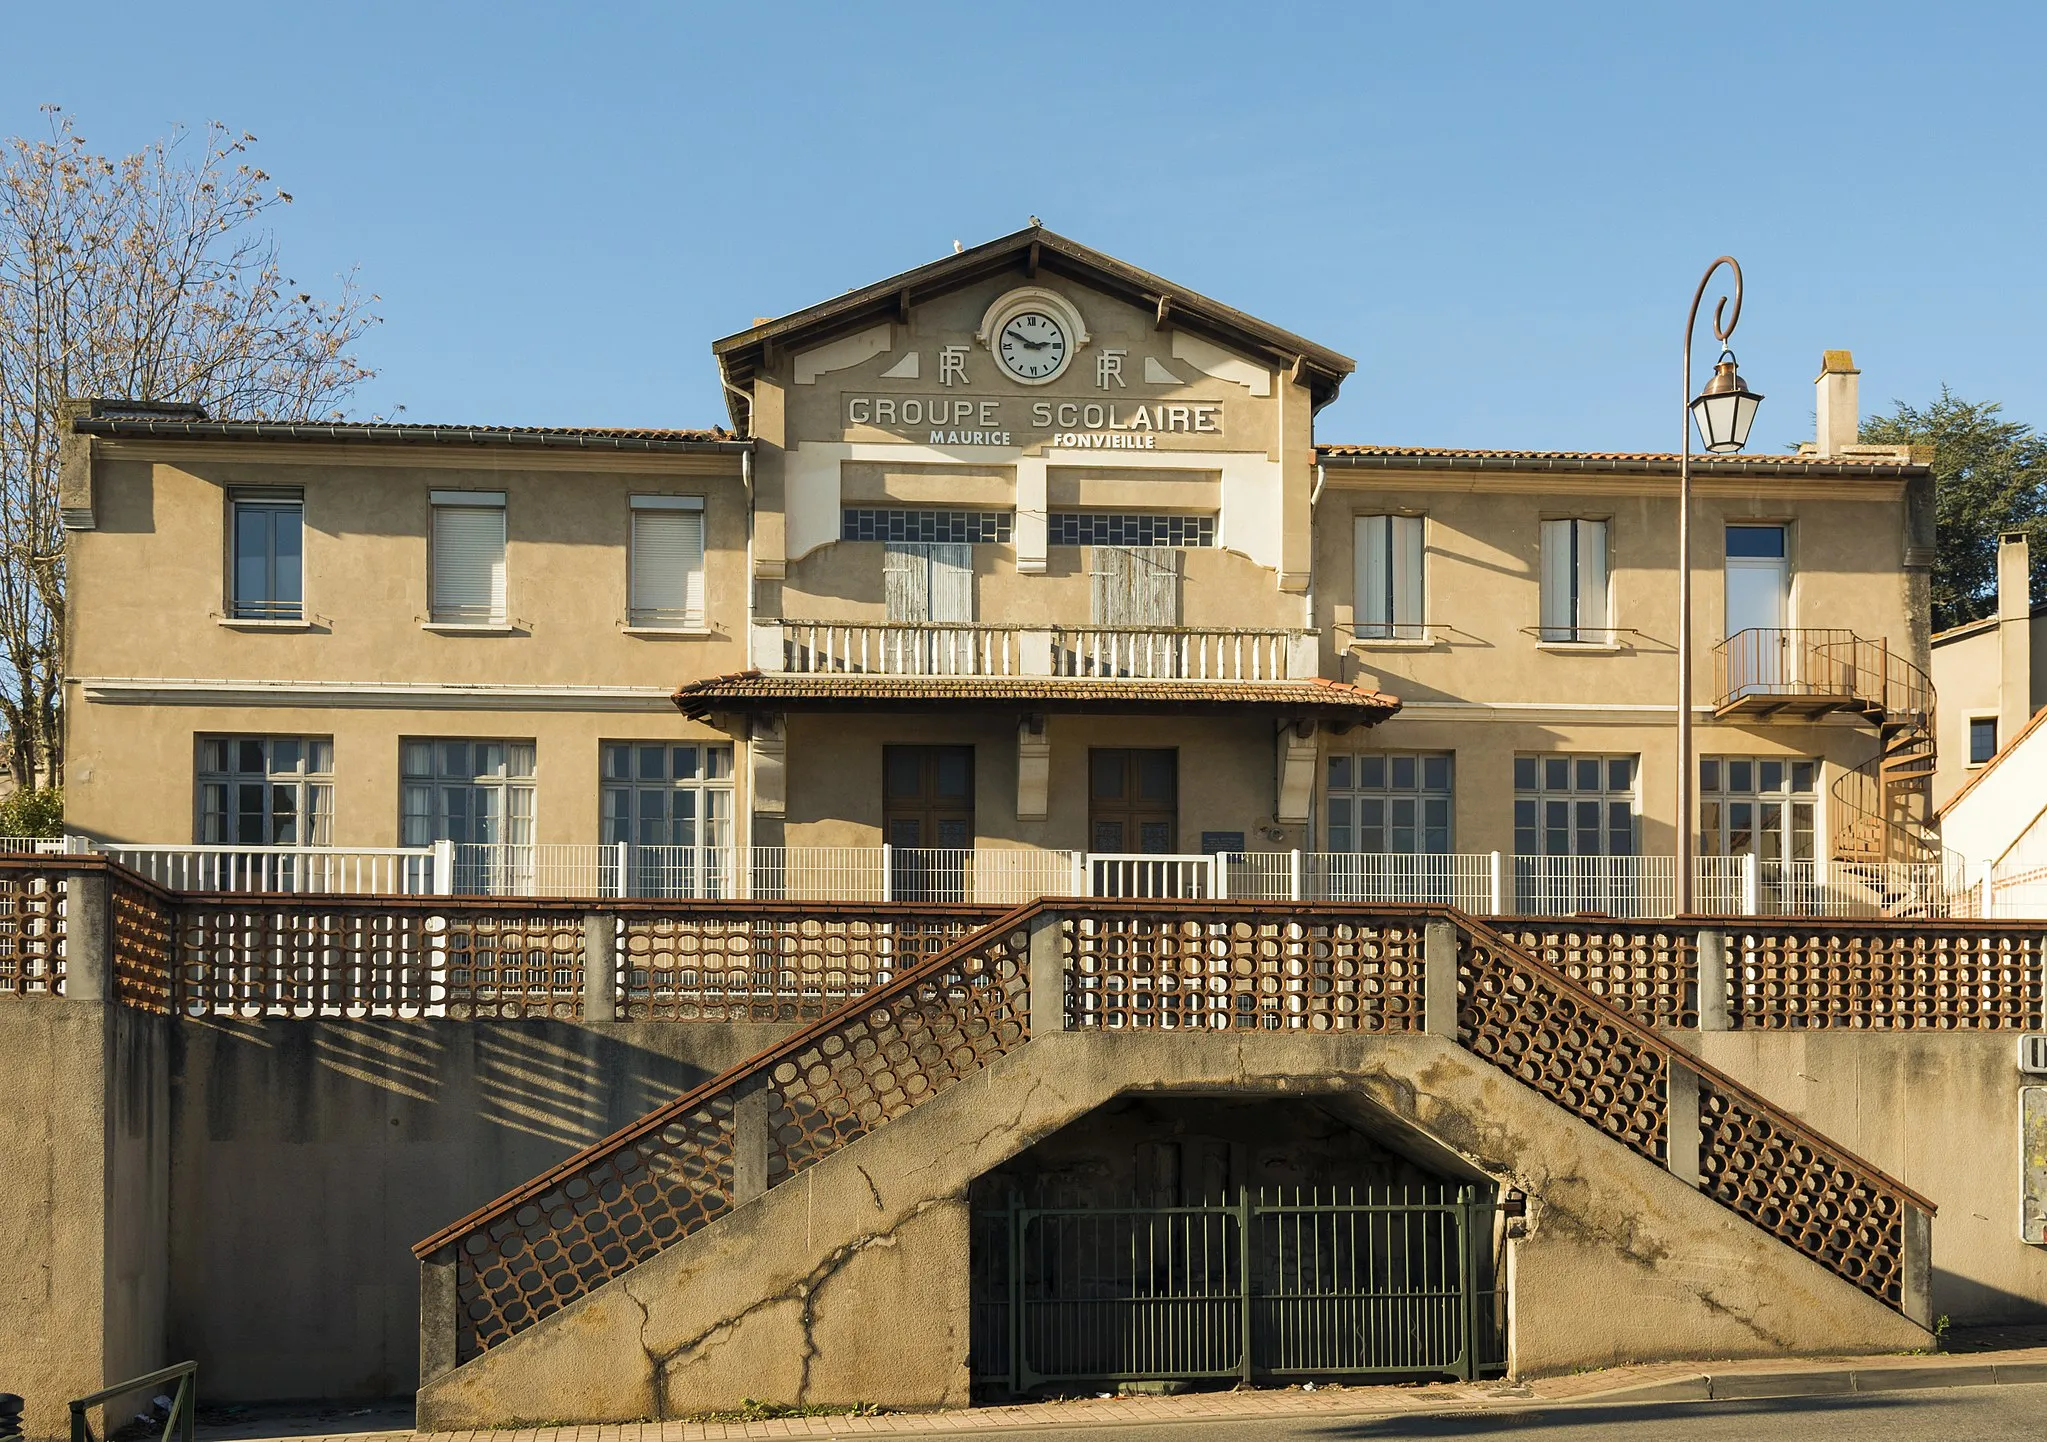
667,562
1559,615
468,557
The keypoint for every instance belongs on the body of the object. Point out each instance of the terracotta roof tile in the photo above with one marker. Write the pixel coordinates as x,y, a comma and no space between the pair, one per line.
748,690
1863,464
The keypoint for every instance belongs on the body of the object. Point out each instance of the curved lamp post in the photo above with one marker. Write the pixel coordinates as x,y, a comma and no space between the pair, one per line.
1724,411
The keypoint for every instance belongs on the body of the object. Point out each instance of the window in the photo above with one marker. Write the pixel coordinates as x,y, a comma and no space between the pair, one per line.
266,791
1982,739
467,558
1760,806
1574,581
666,587
1128,528
927,582
1386,802
1135,588
267,567
1389,579
889,523
673,805
1574,805
465,791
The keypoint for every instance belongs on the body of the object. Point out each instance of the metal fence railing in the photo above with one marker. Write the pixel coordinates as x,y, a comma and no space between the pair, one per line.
1482,883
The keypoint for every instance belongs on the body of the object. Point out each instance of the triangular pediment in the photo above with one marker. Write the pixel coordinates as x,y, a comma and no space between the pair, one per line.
1030,254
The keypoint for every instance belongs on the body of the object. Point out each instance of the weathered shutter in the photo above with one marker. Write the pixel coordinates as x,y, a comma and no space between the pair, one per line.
667,566
1136,587
1592,578
1155,588
906,581
951,585
468,544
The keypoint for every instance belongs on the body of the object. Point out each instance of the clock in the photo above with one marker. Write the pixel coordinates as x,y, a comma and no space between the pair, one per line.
1033,346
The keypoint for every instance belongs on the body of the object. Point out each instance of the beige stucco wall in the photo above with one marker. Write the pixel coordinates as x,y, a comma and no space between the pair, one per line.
149,582
131,769
1227,770
1967,672
849,1282
84,1213
1937,1110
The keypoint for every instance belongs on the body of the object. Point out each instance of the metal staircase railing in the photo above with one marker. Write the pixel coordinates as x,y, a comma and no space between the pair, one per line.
1151,965
1882,809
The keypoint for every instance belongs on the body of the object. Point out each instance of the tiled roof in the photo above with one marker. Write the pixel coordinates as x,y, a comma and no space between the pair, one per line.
756,690
111,421
1446,457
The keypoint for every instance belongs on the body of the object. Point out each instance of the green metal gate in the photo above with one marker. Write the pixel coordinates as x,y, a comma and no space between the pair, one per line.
1294,1282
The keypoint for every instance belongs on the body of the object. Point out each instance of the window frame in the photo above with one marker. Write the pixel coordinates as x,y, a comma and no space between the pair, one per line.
1356,792
1590,607
1716,789
1969,723
272,499
1393,626
313,821
1541,795
501,602
505,784
654,618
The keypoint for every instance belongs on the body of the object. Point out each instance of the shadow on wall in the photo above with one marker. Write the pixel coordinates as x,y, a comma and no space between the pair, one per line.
307,1156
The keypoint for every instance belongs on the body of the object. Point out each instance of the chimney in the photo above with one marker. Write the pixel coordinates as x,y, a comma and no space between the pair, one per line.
1838,407
2014,636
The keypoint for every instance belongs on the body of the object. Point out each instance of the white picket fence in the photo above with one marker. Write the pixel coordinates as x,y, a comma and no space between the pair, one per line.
1482,883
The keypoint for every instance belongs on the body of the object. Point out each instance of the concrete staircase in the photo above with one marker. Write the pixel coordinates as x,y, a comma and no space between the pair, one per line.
796,1229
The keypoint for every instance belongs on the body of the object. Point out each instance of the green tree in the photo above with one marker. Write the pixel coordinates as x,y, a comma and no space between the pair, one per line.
1990,476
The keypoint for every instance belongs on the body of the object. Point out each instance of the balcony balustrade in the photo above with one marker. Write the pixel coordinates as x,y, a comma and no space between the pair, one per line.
947,648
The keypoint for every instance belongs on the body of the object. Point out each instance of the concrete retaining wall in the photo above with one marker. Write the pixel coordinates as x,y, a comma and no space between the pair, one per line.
848,1282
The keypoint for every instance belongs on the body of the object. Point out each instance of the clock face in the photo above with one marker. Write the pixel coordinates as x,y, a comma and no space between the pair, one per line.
1032,346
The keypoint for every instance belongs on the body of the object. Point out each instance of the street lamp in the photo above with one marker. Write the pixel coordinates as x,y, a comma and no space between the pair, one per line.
1724,410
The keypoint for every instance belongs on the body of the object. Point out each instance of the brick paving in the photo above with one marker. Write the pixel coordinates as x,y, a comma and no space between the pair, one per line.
1749,1377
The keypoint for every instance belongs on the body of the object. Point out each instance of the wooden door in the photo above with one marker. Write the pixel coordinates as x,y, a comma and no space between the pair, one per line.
928,818
1133,799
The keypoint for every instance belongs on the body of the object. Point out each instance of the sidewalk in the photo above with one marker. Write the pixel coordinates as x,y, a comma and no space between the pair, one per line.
1651,1383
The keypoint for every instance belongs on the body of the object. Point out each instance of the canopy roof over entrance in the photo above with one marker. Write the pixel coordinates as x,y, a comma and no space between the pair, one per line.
756,691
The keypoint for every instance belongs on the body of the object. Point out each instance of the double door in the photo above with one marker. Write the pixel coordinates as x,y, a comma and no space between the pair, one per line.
928,818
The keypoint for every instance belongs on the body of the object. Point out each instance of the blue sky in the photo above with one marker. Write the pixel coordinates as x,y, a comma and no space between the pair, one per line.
1499,211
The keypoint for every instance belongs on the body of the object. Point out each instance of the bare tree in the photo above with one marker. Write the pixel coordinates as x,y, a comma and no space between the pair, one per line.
151,277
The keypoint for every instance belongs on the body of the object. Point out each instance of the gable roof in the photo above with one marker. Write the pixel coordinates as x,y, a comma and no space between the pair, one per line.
1029,252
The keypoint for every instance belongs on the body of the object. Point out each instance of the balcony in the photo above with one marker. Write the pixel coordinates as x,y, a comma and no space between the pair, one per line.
1804,672
935,648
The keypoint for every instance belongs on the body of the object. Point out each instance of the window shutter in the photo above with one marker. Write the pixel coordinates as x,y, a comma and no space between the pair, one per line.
951,587
1559,616
468,563
1374,601
1592,578
1155,587
667,568
1110,582
1407,576
906,581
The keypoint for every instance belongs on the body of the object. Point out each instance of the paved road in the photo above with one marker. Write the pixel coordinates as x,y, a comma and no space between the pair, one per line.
1952,1414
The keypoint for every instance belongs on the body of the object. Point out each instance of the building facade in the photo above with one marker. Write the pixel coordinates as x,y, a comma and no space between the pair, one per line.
1023,564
